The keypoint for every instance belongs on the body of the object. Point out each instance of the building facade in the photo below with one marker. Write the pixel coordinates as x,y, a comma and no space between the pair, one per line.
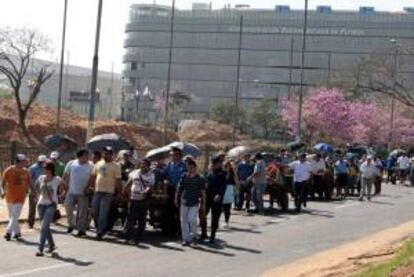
256,53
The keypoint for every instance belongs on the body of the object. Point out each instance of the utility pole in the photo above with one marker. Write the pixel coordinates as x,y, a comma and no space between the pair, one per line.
292,41
167,97
328,80
62,61
302,65
91,114
236,100
393,77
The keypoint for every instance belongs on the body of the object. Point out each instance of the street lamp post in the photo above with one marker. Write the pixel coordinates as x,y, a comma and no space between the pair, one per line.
393,77
91,114
236,100
302,65
62,58
167,97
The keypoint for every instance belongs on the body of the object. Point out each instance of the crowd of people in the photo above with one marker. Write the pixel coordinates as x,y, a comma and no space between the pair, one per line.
97,189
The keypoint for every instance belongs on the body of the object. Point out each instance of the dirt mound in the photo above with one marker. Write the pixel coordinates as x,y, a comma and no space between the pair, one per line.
217,136
407,271
41,121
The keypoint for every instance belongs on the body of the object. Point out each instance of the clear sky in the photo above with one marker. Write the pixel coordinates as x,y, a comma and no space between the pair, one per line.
46,15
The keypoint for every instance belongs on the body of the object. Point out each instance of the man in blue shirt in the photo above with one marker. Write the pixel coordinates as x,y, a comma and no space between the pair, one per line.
244,171
341,174
34,172
173,173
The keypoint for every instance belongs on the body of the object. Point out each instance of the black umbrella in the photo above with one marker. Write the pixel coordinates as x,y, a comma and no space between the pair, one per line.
56,141
97,143
295,145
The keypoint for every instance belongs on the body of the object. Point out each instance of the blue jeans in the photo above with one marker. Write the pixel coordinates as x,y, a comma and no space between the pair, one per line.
101,205
257,196
46,215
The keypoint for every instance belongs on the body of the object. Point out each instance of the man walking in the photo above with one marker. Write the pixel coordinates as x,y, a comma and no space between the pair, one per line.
318,175
34,172
301,176
368,174
139,186
16,183
107,178
259,183
216,186
341,175
78,175
190,190
404,166
173,173
244,171
59,166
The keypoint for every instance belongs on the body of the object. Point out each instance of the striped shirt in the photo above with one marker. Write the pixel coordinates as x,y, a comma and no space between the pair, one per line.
190,189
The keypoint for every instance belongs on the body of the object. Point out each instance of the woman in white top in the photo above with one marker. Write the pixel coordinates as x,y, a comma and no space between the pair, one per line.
49,185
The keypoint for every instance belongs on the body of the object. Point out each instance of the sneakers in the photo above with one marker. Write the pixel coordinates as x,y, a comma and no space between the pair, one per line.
212,240
39,254
186,243
17,236
99,237
7,237
70,230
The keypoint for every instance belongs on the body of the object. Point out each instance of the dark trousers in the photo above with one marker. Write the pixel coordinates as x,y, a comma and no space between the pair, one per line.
227,212
137,211
173,214
245,194
215,218
32,211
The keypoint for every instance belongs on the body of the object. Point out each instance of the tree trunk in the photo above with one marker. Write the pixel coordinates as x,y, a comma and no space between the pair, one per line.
22,126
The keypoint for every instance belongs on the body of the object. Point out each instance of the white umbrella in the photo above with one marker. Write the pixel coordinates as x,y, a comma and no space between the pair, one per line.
239,151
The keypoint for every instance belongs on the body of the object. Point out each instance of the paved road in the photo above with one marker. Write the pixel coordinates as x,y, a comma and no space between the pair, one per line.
254,245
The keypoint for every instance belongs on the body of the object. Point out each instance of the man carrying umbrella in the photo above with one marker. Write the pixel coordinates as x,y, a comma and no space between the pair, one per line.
173,173
107,180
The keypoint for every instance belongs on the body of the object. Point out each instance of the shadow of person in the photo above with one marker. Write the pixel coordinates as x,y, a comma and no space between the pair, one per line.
74,261
244,249
27,242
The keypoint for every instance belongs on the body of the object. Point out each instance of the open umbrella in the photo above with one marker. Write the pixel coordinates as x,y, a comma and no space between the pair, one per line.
111,139
323,147
186,148
158,153
295,145
239,151
56,141
397,152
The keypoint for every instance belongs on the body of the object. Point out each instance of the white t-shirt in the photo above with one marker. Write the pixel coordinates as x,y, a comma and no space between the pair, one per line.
301,171
318,166
48,190
79,175
403,162
368,171
140,182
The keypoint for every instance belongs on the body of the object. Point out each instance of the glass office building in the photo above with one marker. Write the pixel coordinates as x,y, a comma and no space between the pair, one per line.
214,51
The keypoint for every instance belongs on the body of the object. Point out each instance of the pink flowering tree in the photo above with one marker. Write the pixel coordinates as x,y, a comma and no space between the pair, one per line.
329,117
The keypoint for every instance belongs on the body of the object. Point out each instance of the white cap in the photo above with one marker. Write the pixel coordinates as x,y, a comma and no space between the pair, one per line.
54,155
21,157
370,157
42,159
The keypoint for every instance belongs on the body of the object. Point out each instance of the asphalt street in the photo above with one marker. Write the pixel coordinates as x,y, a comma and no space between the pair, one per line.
254,245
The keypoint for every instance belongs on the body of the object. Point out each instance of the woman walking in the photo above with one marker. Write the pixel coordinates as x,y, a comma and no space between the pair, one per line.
231,183
49,185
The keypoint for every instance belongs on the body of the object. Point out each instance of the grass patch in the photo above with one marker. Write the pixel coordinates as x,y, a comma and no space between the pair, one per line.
403,257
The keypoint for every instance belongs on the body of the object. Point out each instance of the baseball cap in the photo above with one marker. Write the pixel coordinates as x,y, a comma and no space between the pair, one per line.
21,157
42,159
370,157
54,155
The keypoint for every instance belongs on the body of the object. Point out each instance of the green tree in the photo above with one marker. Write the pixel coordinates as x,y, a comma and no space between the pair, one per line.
226,113
264,116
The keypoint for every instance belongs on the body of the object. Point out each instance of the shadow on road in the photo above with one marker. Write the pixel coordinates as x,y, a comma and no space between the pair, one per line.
74,261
